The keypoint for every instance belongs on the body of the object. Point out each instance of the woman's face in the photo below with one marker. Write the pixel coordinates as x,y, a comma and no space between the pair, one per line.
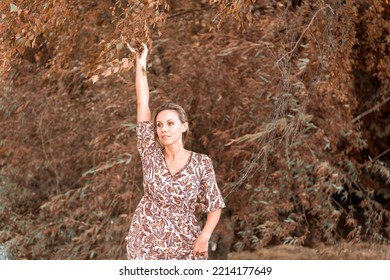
169,127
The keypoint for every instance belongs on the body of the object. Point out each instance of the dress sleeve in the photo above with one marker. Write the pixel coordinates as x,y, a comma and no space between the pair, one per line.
210,197
146,140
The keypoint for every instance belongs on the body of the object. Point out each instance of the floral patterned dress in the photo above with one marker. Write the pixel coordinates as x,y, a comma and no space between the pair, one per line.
164,225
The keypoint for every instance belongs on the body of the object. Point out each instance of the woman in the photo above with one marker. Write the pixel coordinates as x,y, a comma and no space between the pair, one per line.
164,225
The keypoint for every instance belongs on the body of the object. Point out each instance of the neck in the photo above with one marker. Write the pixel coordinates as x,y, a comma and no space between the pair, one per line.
173,152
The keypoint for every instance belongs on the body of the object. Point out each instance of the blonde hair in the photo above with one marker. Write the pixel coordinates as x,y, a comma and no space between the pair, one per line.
180,112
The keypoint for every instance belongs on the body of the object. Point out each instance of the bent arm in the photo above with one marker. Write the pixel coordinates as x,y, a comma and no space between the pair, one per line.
211,223
142,88
201,243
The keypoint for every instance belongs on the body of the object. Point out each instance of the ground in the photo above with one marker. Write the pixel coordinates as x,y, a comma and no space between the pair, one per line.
342,251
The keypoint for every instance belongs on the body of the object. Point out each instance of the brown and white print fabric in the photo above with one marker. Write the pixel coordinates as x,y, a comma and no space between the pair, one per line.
164,225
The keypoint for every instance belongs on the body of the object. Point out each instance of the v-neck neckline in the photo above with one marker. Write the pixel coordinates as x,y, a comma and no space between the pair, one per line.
181,170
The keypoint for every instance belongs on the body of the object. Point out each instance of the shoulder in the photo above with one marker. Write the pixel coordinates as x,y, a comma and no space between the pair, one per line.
203,161
198,157
144,125
145,129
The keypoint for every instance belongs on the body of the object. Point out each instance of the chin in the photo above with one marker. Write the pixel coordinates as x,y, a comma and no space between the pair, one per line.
168,141
164,141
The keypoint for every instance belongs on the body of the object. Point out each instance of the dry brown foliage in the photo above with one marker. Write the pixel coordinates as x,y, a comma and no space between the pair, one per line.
291,102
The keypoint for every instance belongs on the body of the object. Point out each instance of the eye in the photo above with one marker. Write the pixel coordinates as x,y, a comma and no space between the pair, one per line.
171,123
159,124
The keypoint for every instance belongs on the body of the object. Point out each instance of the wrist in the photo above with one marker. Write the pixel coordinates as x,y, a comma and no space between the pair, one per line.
205,236
141,66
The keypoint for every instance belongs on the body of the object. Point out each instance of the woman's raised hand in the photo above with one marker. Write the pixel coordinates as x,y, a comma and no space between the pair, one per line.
141,59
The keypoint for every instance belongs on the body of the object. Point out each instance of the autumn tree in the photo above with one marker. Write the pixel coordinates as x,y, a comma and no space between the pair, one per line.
289,99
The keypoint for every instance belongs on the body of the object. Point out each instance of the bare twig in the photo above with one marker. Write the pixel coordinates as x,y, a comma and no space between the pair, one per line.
381,154
371,110
40,128
189,11
303,33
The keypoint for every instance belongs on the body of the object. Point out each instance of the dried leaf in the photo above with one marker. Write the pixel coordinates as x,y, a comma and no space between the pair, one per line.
107,73
94,78
125,63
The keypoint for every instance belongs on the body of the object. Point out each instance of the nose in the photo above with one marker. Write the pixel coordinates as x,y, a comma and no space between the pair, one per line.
163,128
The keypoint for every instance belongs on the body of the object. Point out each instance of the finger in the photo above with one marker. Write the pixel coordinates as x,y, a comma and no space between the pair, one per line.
145,52
130,48
145,46
203,254
196,251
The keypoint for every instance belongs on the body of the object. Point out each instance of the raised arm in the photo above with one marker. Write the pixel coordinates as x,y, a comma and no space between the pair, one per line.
142,88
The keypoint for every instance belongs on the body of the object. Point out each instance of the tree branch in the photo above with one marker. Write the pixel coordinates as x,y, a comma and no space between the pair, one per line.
303,33
371,110
381,154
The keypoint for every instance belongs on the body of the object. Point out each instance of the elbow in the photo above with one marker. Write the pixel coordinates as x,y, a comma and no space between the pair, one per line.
217,212
142,101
